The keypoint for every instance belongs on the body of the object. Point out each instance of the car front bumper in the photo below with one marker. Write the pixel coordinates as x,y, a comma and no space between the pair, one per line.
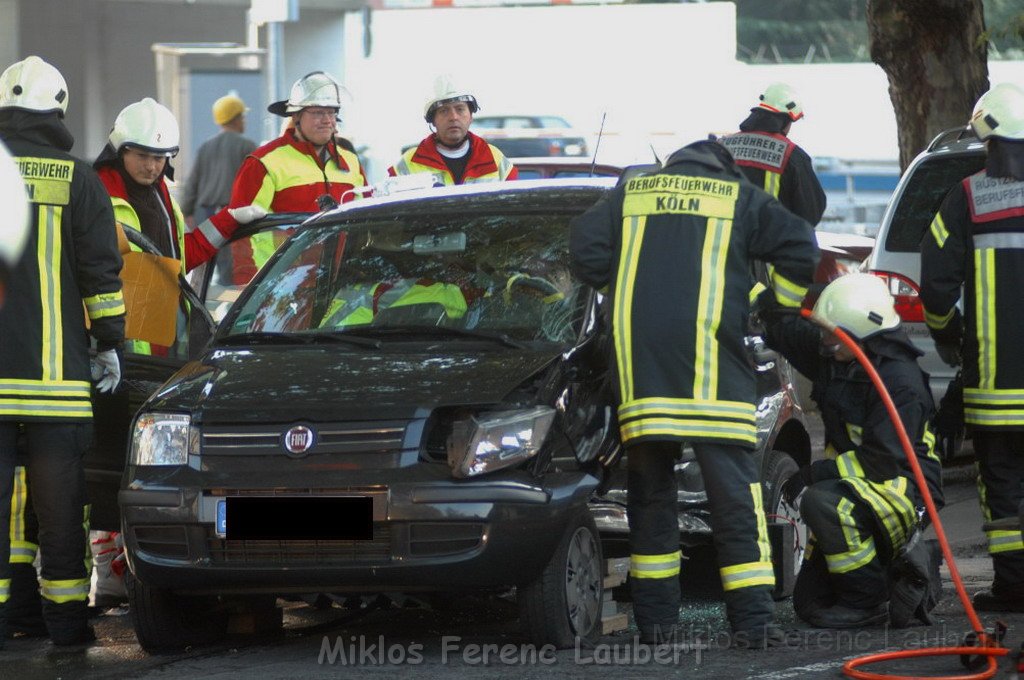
431,534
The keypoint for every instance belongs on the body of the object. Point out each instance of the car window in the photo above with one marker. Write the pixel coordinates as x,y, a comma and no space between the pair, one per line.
922,196
518,123
487,123
505,274
553,122
236,265
529,173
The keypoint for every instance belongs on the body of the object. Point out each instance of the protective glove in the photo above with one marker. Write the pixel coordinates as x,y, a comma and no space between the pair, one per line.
247,213
794,487
949,353
106,371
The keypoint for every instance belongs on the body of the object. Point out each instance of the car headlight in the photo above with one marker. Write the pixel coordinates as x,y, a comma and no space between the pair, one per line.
163,439
492,441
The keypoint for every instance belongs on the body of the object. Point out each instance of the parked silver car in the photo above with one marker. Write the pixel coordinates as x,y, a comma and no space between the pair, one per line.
952,156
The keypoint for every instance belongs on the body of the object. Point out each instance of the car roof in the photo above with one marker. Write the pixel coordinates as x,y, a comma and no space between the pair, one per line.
518,194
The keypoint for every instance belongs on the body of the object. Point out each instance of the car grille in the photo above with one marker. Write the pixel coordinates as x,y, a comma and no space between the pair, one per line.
269,552
349,437
427,539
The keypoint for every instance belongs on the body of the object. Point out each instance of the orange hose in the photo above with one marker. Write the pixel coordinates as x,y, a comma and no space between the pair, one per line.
987,646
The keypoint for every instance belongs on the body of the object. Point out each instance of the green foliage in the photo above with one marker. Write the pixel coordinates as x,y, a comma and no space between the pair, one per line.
836,30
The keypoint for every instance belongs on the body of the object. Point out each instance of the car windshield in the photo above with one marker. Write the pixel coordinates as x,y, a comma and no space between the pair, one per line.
496,275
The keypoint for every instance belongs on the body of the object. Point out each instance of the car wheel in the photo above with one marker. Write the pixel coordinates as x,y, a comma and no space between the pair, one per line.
167,622
564,602
787,548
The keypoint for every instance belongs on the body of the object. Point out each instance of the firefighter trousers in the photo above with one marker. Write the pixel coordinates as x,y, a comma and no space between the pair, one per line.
56,484
855,551
738,526
1001,473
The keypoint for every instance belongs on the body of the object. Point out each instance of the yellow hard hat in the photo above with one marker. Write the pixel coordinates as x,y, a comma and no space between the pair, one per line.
226,108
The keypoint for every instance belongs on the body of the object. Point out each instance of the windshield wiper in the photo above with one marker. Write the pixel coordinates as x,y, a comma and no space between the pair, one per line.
445,331
308,338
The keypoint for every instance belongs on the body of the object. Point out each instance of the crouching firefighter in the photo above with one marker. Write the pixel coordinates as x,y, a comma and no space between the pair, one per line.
861,503
676,248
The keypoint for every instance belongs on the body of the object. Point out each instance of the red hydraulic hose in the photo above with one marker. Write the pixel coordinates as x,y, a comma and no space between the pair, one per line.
987,645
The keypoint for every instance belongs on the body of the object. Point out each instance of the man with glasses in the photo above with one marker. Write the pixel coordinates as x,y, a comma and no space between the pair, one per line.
304,170
451,152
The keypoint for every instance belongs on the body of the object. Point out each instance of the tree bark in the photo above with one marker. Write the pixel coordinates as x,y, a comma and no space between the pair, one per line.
937,63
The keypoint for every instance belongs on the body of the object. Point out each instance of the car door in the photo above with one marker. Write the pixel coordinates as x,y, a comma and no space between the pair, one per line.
146,368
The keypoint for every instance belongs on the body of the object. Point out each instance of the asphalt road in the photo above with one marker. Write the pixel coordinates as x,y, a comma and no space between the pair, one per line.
480,635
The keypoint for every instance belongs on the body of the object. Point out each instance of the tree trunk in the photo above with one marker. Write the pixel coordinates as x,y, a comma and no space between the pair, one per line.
937,63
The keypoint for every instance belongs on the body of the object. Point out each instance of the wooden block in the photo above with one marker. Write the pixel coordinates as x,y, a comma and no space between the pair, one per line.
609,608
613,581
613,624
616,565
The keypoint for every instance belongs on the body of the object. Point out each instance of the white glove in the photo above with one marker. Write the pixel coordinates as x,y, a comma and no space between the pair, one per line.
247,213
106,370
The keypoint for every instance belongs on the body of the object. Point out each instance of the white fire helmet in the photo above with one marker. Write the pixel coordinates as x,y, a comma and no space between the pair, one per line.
858,303
781,98
146,125
446,91
313,89
1000,113
33,85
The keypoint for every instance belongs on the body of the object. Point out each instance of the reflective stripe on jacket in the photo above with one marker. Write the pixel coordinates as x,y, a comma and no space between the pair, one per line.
486,163
976,240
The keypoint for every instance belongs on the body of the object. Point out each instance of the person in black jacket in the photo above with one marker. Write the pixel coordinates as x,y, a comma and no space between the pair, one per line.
675,248
976,244
860,503
771,160
72,270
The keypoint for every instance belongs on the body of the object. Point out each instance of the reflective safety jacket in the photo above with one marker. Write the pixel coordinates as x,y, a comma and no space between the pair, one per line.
675,250
977,240
126,215
71,258
359,305
861,444
780,167
288,175
486,163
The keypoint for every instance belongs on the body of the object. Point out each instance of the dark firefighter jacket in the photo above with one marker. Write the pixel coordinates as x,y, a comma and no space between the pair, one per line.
977,240
70,267
773,162
675,250
861,443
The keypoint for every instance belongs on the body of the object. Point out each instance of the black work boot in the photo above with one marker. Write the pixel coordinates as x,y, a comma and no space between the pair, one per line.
25,608
1000,598
841,616
767,636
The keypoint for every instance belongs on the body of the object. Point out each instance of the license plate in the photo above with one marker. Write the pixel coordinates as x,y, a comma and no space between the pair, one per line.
348,518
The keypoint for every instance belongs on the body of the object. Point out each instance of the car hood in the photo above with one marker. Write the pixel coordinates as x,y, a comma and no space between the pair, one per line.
322,383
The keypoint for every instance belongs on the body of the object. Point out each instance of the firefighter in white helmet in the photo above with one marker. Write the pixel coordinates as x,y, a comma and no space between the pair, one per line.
860,503
306,169
771,160
134,167
45,371
976,242
452,153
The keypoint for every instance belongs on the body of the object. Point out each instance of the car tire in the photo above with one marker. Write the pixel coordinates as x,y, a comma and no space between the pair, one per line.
167,622
564,603
787,548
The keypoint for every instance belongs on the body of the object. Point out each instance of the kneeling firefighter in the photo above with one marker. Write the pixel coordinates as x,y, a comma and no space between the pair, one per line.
860,503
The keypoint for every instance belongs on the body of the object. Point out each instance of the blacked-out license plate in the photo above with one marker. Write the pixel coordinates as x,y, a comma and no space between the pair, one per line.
338,518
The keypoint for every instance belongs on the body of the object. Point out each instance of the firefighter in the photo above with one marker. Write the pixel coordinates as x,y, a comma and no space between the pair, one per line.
303,170
976,241
45,368
771,160
134,167
861,502
451,152
675,249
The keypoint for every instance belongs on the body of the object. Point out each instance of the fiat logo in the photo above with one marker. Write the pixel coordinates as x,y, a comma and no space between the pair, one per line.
299,440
